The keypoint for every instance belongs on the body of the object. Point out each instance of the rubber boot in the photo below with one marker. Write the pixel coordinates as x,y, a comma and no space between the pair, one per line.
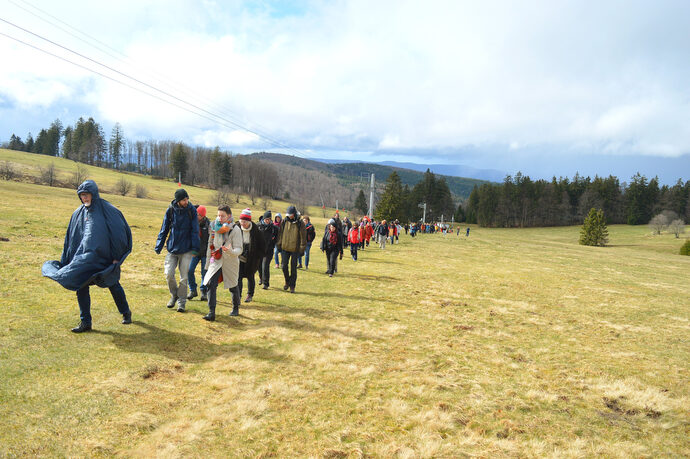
211,316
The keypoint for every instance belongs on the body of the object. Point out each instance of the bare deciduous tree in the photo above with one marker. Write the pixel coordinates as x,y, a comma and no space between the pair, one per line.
49,175
266,204
141,191
677,227
78,176
123,186
7,171
222,197
658,223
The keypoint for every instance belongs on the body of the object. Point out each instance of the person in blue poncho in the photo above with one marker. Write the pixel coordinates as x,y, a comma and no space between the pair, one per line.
97,241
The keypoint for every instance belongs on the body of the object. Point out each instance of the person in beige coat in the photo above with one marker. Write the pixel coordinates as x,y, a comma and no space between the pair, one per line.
222,262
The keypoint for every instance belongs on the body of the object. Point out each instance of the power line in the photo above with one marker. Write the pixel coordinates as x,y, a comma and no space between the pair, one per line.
225,120
234,117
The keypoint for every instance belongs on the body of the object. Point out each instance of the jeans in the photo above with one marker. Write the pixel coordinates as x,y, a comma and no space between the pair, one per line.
172,261
265,269
290,268
251,282
192,267
84,300
332,260
353,251
306,256
213,288
276,252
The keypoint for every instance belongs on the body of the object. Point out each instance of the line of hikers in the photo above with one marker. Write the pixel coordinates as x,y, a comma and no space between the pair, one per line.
98,239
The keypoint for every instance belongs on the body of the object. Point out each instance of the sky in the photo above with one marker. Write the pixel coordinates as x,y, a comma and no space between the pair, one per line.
548,88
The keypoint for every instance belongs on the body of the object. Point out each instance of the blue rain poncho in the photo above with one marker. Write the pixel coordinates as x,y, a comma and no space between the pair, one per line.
96,236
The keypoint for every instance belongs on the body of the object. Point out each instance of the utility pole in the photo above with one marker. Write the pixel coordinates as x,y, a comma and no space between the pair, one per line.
371,199
424,216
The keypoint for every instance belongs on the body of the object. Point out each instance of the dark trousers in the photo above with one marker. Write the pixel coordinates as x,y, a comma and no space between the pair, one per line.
251,282
211,289
190,275
290,268
353,250
84,300
265,269
331,259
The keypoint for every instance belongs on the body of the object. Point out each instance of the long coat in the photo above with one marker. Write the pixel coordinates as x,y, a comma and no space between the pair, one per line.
257,250
96,236
229,261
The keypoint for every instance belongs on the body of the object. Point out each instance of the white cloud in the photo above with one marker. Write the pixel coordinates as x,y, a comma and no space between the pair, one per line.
363,76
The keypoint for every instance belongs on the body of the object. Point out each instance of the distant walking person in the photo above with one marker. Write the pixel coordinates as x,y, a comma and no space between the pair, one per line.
200,258
182,225
292,242
97,241
270,234
354,238
277,221
311,235
468,232
332,245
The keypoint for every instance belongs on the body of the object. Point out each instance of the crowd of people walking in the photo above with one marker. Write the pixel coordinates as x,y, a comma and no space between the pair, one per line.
227,250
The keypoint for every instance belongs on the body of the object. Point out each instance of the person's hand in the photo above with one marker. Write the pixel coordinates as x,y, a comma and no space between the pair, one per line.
115,262
226,249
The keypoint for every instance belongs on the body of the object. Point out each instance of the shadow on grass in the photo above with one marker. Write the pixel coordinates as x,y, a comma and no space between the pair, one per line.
373,277
183,347
329,296
361,258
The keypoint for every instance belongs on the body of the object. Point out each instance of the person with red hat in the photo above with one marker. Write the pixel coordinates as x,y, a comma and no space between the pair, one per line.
200,258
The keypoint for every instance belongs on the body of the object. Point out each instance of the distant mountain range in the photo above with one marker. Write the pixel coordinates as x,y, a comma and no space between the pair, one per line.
452,170
351,172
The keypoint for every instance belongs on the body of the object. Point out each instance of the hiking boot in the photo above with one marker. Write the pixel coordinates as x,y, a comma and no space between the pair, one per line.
203,297
127,318
277,266
211,316
299,266
261,281
83,327
192,294
286,286
292,289
171,303
330,275
180,308
265,287
235,311
248,299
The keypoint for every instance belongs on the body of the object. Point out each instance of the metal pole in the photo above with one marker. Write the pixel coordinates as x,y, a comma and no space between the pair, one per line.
371,198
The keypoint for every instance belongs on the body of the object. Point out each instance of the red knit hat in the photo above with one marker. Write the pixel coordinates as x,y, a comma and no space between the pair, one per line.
246,214
201,210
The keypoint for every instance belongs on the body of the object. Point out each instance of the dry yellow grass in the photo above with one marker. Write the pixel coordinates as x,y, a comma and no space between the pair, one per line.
509,343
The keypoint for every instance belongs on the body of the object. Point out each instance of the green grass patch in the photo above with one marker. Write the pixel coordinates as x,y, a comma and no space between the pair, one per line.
512,342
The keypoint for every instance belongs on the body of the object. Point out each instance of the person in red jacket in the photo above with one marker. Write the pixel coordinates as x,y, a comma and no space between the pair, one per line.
353,238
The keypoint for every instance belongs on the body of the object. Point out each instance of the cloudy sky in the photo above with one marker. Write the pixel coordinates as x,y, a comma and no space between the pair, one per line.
543,87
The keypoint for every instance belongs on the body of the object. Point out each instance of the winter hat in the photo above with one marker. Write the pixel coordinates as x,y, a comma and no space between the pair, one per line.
246,214
278,215
201,210
180,195
267,214
292,210
331,222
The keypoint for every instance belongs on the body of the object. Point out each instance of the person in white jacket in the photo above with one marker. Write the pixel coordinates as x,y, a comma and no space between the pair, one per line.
222,262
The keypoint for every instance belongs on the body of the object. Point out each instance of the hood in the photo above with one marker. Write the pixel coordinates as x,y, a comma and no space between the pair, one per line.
89,186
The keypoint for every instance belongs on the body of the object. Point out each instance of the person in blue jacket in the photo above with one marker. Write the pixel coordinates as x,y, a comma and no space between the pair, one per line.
182,225
97,241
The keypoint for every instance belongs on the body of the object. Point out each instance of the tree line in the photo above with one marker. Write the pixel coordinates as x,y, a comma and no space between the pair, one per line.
405,204
522,202
85,142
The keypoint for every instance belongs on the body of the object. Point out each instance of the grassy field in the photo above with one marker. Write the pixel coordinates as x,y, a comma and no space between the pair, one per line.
507,343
